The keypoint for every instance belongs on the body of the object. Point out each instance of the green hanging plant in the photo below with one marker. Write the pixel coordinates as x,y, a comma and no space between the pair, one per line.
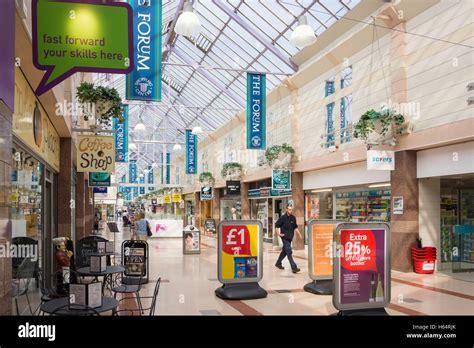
230,168
272,153
106,100
367,123
206,177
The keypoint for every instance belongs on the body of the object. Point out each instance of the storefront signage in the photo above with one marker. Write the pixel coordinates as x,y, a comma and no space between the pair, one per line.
32,125
102,190
176,197
160,200
380,160
206,193
320,249
167,199
232,188
99,179
256,111
265,192
95,154
281,179
189,197
191,152
240,251
398,205
144,82
121,137
83,37
362,266
135,258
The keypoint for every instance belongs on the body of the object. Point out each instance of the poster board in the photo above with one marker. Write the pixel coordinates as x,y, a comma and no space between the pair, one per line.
191,240
240,250
320,249
361,266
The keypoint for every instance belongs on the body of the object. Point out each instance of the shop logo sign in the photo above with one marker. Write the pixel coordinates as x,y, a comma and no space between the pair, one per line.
380,160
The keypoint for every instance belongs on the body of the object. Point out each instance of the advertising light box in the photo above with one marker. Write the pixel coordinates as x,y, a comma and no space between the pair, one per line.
240,252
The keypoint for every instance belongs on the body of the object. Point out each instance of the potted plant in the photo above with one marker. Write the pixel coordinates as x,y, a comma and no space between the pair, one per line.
206,178
279,156
106,101
231,171
379,127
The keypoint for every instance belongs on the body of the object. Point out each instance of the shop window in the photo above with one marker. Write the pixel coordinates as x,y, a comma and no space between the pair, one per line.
330,87
330,124
346,118
346,77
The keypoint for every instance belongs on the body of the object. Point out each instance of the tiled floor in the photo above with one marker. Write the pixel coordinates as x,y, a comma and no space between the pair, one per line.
189,282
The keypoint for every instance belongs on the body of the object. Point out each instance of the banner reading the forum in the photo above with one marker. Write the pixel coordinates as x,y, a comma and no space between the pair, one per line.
144,82
240,251
70,37
99,179
256,111
362,266
95,154
281,179
191,152
121,137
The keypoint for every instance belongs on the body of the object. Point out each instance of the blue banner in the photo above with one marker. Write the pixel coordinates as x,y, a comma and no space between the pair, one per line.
256,111
144,82
168,169
191,152
151,178
123,179
135,192
132,172
99,189
142,190
121,137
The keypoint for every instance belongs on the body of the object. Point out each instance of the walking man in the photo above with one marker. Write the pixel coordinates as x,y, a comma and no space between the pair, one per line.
287,225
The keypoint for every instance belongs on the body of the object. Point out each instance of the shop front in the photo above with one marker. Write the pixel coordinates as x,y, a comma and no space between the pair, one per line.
35,165
190,209
230,203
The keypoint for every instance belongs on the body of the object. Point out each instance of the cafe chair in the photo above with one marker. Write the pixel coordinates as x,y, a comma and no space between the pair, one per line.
152,307
123,288
21,285
79,311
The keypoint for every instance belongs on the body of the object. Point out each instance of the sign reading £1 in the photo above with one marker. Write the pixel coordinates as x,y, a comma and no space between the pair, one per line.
95,154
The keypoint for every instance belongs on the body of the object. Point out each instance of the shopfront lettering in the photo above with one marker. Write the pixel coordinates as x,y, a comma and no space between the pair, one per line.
96,144
90,160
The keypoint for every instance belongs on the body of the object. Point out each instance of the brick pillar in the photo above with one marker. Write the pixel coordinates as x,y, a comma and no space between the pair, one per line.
80,206
404,227
216,205
88,214
197,211
5,209
244,194
298,209
64,187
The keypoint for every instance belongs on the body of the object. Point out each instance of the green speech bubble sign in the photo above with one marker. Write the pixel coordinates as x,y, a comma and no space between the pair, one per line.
86,36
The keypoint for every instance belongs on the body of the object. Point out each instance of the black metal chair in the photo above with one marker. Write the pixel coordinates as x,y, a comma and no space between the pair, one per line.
21,285
152,307
123,288
79,310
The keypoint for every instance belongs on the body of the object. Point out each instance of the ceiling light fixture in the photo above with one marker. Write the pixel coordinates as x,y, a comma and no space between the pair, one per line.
188,23
177,147
139,127
303,35
132,147
385,184
197,130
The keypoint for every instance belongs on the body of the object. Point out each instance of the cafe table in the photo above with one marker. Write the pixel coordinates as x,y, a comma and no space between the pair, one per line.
107,274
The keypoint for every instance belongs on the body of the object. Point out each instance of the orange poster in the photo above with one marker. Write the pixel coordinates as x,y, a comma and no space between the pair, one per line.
321,238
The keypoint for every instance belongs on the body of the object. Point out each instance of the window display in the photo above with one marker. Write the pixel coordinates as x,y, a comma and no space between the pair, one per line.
319,206
363,206
231,209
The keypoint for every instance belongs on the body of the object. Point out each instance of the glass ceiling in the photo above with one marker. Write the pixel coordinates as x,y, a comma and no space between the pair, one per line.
250,35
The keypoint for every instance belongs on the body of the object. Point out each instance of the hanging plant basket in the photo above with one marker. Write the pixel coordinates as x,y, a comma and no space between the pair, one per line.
231,171
279,156
376,128
106,103
206,178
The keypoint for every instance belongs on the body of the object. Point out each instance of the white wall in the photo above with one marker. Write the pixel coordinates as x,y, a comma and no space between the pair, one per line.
446,160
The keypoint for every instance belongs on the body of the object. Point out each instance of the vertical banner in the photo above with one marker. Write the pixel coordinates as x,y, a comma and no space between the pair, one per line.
151,179
142,188
132,172
144,82
168,168
191,152
362,266
121,137
240,251
256,111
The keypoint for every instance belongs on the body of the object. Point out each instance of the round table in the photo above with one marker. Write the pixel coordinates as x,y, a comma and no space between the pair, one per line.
108,304
107,274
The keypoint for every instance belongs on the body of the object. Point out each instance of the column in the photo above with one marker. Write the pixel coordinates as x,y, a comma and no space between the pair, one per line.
88,208
298,208
197,211
80,207
216,205
244,194
404,227
64,187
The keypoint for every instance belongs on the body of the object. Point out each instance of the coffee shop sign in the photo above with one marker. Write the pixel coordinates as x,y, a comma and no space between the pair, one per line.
96,154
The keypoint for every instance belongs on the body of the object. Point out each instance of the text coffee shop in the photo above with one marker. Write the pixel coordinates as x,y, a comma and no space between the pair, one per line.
35,164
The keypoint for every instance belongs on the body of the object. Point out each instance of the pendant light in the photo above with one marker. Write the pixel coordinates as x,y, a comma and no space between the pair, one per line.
197,130
177,147
139,127
188,23
303,35
132,147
